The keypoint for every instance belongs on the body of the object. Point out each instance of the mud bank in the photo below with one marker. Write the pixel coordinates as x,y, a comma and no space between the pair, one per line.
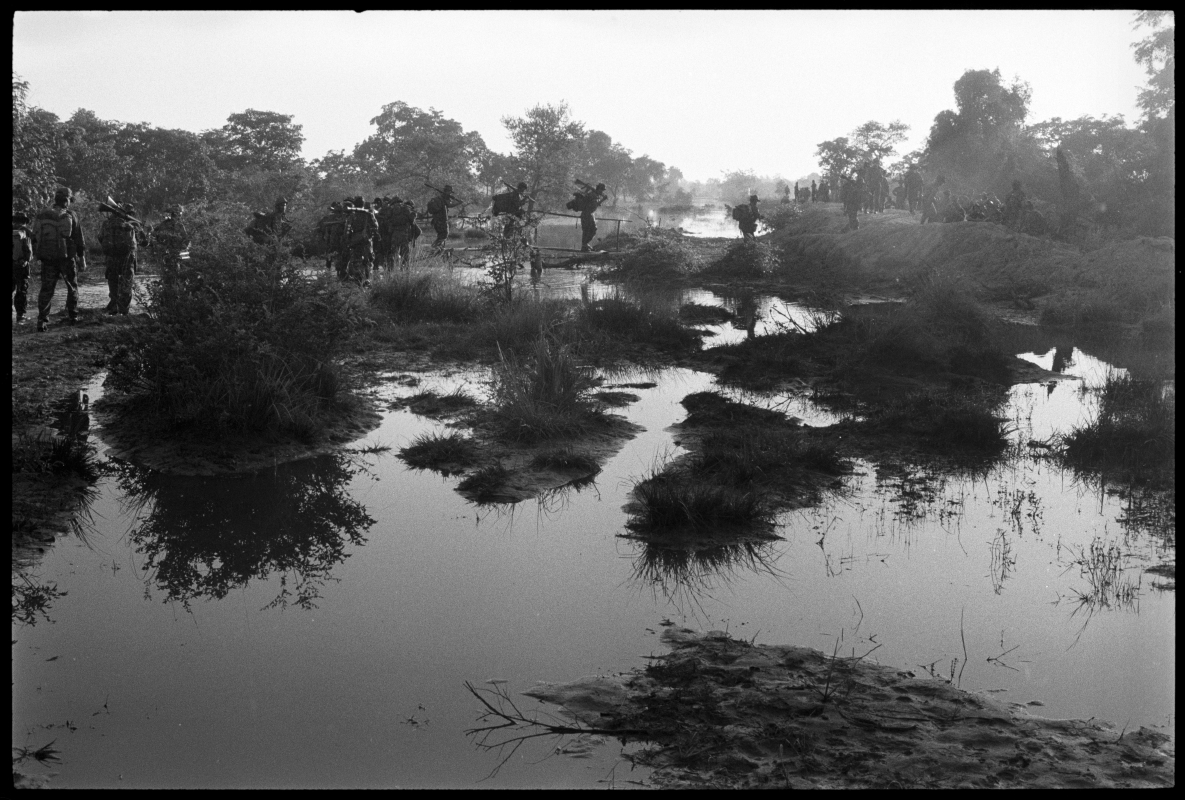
723,713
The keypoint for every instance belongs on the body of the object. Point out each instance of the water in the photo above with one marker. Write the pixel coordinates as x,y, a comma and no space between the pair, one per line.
314,624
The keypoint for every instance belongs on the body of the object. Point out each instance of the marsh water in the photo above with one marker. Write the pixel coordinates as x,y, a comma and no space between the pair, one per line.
314,624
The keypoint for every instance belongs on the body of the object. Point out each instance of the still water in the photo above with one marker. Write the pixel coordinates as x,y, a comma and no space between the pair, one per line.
312,625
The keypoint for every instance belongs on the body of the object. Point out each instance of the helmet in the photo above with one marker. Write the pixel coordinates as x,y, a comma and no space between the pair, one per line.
753,199
358,201
447,189
396,199
61,194
378,201
600,187
522,186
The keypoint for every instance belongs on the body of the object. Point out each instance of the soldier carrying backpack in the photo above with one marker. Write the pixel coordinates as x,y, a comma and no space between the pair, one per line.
59,246
747,217
22,254
118,239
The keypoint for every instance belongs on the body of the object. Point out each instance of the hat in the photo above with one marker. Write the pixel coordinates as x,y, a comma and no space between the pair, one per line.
753,199
600,187
448,189
522,186
61,194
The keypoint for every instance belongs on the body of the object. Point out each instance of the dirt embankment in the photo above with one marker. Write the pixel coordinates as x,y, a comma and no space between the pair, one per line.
894,246
723,713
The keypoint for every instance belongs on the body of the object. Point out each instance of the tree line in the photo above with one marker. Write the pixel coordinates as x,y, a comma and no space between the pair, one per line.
1100,168
256,157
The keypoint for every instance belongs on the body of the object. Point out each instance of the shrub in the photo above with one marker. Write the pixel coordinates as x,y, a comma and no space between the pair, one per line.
659,258
664,503
565,458
437,450
543,395
242,339
423,297
483,484
1134,430
781,216
746,260
946,421
645,321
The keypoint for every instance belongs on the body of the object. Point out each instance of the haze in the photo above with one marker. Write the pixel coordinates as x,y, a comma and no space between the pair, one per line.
706,91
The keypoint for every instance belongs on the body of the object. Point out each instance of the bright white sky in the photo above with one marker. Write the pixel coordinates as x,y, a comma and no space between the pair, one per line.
706,91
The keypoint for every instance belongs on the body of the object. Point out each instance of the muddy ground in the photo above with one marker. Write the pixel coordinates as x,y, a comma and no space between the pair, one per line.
718,712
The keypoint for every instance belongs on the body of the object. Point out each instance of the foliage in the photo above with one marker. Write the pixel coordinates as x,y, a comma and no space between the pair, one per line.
263,140
242,340
659,258
434,450
1158,55
669,503
412,147
423,297
35,140
544,395
746,260
1134,431
837,156
547,144
877,142
608,161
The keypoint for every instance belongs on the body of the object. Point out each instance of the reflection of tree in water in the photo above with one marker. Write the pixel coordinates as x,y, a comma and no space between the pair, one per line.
205,536
688,572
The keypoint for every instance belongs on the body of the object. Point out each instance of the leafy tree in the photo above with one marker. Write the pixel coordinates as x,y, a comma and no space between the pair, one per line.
412,147
256,139
35,141
87,158
163,166
493,168
837,156
737,185
876,141
607,162
1158,55
644,177
547,142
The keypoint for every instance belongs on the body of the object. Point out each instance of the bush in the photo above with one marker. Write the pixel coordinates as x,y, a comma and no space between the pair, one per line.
645,321
659,258
544,395
781,216
435,451
240,340
746,260
423,297
1134,430
665,503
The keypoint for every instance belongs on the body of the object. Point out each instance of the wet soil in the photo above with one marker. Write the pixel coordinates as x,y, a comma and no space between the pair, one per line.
719,712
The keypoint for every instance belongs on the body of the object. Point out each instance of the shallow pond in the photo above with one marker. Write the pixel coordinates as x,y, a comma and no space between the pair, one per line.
314,624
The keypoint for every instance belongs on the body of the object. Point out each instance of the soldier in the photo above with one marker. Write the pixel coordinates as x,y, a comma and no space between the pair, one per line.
589,203
512,205
1014,206
331,234
265,226
930,201
852,197
22,254
59,246
438,209
398,225
814,192
913,187
786,195
173,238
362,229
747,217
118,240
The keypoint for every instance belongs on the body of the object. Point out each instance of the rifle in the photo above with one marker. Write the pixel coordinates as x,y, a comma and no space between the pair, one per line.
113,207
515,189
441,192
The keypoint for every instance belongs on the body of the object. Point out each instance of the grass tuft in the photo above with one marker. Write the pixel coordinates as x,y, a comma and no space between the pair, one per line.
439,451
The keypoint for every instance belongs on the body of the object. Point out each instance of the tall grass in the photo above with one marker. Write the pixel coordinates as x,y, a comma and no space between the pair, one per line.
424,297
242,340
436,450
746,260
543,394
1134,430
668,503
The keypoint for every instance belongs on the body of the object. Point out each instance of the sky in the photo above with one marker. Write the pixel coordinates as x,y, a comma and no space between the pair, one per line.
706,91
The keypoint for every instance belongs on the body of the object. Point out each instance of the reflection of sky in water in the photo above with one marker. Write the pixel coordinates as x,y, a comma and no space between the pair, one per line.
444,592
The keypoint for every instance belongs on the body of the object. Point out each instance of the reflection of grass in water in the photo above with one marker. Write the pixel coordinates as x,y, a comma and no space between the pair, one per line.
485,483
1103,569
683,572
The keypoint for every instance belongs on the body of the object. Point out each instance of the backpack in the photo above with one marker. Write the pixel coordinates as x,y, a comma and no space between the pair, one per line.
576,203
54,226
436,206
741,213
20,245
506,203
123,237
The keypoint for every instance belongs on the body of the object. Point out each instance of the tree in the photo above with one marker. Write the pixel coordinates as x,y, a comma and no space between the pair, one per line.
412,147
837,156
876,141
35,141
644,177
547,142
738,184
163,166
495,168
1158,55
607,162
262,140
